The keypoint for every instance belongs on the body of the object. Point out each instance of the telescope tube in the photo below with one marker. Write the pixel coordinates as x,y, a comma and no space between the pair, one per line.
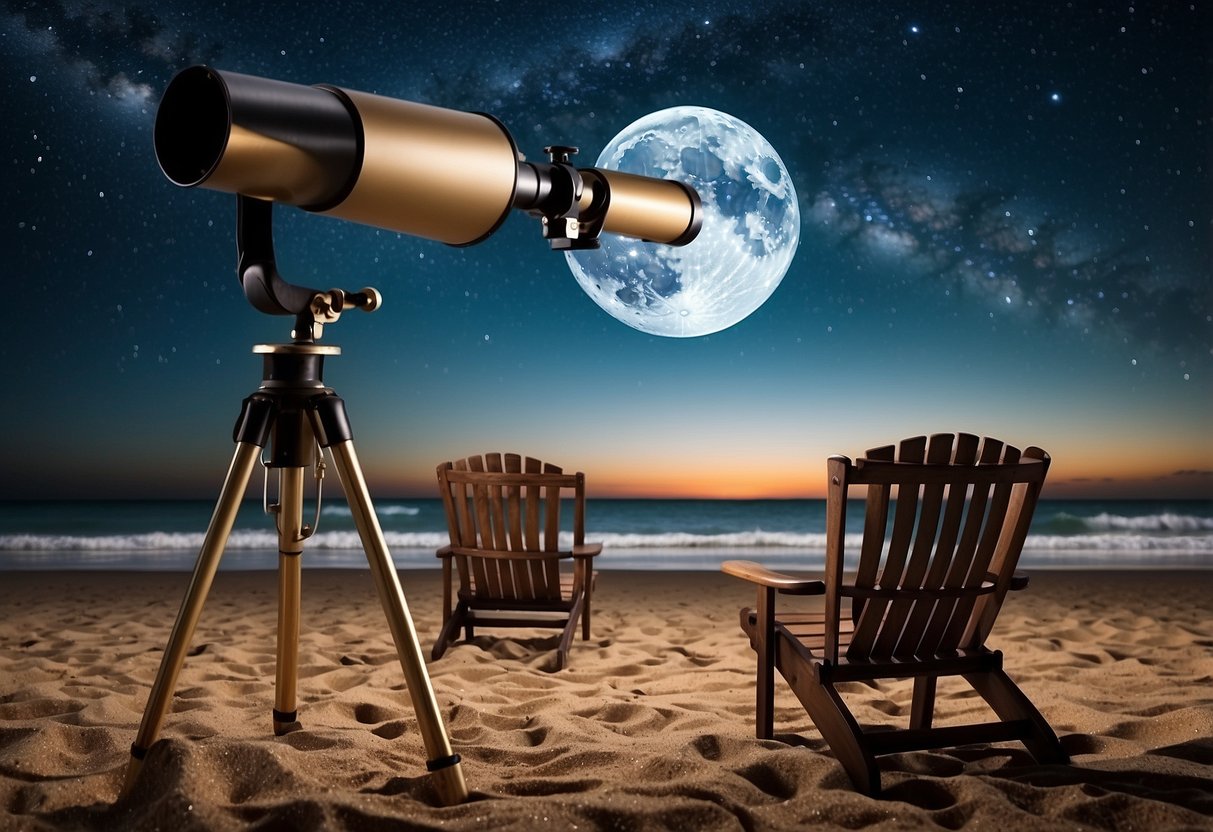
441,174
427,171
656,210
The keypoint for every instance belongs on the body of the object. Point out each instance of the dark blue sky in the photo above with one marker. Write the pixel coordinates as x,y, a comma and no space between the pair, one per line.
1006,222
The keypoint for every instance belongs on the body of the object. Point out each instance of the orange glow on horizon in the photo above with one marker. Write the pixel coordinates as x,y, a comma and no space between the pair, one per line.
701,490
1107,476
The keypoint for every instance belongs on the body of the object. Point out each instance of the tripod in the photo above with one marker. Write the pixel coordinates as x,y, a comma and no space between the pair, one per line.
294,412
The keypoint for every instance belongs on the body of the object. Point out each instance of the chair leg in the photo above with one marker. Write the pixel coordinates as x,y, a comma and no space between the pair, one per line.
446,590
449,631
570,627
585,613
839,729
1009,702
922,710
583,585
764,646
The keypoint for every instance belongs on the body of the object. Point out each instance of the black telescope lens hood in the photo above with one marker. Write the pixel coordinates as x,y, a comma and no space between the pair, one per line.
271,139
192,126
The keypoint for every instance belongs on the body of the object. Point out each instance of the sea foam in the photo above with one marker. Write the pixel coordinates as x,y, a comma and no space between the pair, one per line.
757,539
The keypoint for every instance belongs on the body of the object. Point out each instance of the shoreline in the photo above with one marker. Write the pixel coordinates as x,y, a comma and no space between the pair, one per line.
650,726
621,560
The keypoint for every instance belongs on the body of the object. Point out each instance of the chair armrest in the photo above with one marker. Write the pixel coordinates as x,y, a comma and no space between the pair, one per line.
1018,580
587,550
444,552
747,570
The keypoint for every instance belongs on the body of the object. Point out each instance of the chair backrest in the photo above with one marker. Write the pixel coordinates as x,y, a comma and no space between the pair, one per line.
503,516
931,581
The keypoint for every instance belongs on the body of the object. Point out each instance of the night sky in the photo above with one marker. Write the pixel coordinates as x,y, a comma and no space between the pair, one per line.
1006,220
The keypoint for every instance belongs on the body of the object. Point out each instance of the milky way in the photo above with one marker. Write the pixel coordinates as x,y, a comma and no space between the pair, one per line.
124,51
984,246
1030,177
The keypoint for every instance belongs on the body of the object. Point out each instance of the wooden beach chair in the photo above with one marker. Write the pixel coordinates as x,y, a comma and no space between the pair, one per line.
503,515
920,604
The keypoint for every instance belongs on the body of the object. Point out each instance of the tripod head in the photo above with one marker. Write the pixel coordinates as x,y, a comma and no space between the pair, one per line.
269,292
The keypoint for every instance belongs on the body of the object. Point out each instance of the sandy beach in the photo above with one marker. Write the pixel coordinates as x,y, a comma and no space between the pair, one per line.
651,727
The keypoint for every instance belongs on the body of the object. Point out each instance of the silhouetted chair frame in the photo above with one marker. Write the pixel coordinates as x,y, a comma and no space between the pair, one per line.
921,603
503,517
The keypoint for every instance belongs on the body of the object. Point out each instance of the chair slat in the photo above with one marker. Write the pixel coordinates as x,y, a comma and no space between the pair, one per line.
520,573
958,570
499,572
1006,556
890,642
466,525
531,525
876,518
496,497
996,515
487,573
551,533
868,627
964,454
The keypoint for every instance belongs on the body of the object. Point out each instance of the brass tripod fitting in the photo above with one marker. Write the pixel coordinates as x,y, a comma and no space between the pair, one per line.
326,308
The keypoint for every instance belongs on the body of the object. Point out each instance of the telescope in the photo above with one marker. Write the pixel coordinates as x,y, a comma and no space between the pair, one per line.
439,174
452,177
427,171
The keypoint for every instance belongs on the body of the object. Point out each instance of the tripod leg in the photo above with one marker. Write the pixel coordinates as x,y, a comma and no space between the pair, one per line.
290,551
217,533
443,764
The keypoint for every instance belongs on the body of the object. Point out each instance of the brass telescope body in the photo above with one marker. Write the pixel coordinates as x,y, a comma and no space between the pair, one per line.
427,171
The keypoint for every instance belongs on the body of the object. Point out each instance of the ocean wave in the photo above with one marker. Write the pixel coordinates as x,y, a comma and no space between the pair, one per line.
669,541
733,540
384,511
1166,522
176,541
817,542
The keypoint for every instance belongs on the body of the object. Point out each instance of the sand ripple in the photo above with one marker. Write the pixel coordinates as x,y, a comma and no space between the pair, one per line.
649,728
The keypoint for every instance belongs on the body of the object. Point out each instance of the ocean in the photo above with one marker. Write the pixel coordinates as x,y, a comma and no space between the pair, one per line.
637,534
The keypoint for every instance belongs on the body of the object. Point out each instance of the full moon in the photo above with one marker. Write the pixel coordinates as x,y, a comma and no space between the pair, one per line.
751,227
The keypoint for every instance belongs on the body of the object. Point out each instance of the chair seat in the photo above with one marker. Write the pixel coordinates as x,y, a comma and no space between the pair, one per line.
567,581
806,633
807,628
